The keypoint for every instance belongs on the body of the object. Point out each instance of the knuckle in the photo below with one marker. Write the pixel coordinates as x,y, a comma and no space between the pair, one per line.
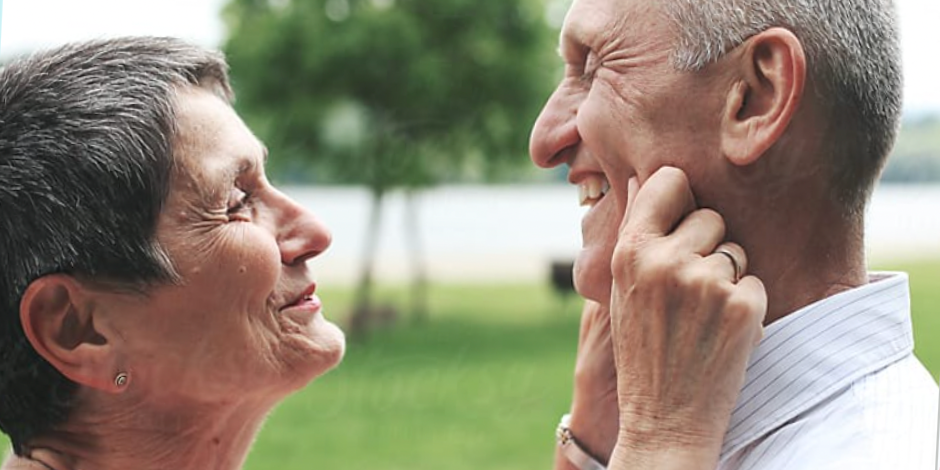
740,312
690,278
626,252
646,264
712,217
701,277
674,174
623,260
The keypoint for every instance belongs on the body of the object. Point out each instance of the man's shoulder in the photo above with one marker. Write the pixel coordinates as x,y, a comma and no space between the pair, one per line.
884,420
905,382
888,417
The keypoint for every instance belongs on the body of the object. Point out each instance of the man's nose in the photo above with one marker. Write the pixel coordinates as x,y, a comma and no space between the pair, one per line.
555,130
300,235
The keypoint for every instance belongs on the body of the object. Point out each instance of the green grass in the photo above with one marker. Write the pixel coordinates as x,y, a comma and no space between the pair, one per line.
480,385
925,309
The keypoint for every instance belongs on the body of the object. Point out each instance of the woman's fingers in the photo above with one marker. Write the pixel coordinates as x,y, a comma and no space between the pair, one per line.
660,204
729,260
685,316
594,402
754,295
699,232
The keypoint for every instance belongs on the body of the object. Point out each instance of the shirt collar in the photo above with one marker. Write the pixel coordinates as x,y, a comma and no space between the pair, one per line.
811,354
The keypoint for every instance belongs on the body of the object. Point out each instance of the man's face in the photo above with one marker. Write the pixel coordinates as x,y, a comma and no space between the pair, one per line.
621,111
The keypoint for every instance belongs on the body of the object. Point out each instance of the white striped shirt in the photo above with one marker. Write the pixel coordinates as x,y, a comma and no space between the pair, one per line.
835,385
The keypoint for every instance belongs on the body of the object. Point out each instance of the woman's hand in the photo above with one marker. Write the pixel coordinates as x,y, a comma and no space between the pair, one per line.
682,327
594,408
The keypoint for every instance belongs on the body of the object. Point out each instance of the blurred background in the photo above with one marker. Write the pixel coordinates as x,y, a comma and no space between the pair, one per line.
404,124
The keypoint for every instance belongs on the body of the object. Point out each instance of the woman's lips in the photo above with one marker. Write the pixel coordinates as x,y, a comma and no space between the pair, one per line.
304,310
306,299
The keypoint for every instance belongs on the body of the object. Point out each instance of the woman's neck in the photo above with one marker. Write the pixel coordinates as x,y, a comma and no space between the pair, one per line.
214,437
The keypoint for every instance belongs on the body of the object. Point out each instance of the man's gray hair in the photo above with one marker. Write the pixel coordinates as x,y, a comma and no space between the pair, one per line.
853,59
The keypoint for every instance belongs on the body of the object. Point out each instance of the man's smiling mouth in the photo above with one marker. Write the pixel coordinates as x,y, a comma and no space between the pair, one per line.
592,189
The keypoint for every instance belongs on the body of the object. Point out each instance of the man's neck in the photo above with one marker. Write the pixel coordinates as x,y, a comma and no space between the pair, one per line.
803,258
792,287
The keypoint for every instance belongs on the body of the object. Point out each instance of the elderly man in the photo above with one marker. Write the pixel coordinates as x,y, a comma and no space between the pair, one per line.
728,150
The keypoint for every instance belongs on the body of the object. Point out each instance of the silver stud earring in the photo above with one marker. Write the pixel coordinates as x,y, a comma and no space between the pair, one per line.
121,379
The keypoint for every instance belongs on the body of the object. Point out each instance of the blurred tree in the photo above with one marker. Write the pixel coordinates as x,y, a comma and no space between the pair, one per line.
390,94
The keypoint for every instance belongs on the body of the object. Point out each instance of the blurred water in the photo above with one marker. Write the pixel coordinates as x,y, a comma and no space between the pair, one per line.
903,222
510,233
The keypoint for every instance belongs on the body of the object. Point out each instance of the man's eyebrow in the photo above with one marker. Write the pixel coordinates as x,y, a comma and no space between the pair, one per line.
571,41
247,164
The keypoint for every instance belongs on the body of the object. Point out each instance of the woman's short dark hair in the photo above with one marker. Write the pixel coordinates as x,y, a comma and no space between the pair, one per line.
86,152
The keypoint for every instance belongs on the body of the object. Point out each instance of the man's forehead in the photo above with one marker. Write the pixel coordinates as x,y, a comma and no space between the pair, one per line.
633,27
581,20
588,20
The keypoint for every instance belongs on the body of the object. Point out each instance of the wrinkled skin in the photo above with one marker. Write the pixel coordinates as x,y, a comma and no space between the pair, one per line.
206,357
665,340
241,247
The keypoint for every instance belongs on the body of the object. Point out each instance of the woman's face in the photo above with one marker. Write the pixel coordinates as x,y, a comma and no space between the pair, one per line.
244,322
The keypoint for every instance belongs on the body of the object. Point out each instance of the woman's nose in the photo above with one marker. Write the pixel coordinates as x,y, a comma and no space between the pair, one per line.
301,235
555,130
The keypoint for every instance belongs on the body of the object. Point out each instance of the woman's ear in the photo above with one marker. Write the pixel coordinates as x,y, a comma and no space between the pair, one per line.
769,83
59,319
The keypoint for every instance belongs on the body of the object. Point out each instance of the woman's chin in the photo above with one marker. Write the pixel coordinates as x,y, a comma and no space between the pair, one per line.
331,344
312,351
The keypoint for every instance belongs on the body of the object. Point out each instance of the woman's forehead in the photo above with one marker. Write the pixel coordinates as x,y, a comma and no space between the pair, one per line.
211,140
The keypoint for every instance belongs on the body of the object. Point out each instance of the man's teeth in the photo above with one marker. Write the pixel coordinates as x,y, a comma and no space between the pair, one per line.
592,190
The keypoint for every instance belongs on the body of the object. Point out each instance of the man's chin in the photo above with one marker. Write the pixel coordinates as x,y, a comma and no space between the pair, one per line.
592,279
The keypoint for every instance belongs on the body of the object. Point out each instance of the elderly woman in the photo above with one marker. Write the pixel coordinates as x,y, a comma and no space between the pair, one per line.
155,302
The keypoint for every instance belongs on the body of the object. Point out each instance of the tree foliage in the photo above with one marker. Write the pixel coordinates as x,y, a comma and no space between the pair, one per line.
390,93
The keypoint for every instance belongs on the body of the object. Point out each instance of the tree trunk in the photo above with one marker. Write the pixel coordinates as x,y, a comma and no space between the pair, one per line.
363,309
419,276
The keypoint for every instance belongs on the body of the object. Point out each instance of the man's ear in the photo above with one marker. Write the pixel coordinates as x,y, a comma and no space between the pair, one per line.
769,83
61,322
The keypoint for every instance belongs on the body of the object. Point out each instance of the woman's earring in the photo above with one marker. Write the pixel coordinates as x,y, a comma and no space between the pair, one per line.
121,379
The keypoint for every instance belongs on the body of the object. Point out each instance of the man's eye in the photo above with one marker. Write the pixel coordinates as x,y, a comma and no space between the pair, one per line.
590,69
573,71
588,75
238,200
